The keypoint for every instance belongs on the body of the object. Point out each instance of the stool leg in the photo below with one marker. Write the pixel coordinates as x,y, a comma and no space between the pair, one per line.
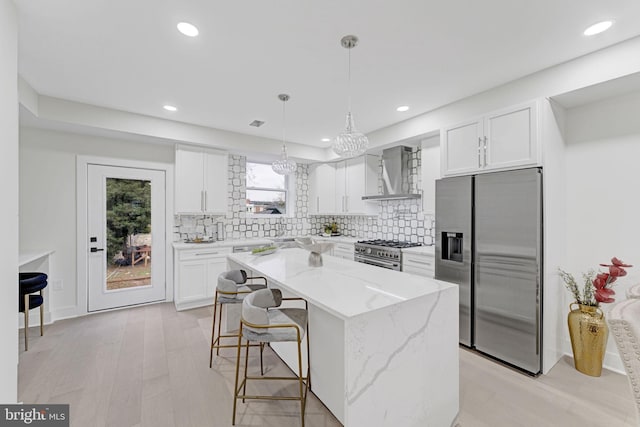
213,328
302,398
41,316
235,387
246,363
219,326
26,322
261,365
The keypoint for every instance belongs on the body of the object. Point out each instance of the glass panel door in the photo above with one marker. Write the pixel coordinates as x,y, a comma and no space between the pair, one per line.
126,225
128,233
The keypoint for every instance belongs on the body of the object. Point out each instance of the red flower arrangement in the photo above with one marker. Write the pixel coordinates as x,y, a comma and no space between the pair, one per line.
596,289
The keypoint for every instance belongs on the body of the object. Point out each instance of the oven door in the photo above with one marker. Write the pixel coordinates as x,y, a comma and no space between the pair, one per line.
391,265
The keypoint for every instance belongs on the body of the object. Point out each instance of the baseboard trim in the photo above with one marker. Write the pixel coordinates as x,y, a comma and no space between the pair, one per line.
188,305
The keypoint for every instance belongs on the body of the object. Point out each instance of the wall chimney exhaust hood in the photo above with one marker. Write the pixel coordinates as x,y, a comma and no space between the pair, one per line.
396,167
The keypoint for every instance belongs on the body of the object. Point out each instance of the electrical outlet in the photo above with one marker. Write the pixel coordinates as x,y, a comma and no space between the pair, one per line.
56,285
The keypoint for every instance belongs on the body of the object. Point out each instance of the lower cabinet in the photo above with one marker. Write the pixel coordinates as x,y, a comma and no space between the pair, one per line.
343,250
419,264
196,274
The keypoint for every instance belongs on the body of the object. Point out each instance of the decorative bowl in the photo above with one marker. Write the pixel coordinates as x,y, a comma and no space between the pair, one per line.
315,249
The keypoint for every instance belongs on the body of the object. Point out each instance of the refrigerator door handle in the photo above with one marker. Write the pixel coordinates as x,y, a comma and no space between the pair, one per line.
538,310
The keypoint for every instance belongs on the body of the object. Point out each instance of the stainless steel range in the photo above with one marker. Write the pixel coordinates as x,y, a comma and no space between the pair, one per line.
382,253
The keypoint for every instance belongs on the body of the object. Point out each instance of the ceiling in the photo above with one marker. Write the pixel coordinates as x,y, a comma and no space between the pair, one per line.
128,55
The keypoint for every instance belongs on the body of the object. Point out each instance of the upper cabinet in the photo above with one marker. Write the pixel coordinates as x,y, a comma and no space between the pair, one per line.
201,181
506,139
430,172
322,188
337,188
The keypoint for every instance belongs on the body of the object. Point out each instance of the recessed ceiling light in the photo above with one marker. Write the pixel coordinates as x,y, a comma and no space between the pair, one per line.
598,28
403,108
326,140
188,29
169,107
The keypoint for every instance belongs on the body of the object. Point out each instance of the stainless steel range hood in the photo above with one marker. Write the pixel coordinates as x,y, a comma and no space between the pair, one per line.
396,167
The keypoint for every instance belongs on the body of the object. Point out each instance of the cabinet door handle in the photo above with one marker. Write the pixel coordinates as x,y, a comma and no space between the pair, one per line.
485,151
202,200
206,200
207,253
479,148
346,202
317,204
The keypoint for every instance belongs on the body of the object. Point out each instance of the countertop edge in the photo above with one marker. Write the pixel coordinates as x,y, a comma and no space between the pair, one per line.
25,258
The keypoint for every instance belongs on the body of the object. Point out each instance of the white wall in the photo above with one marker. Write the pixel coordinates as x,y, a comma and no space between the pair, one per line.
9,197
48,198
603,65
603,197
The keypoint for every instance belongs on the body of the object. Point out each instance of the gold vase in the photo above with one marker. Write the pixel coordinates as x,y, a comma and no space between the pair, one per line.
588,331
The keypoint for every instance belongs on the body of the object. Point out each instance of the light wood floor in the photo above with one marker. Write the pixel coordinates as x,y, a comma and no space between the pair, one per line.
149,366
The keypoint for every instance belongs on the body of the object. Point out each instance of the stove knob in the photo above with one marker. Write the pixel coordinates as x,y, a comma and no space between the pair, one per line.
368,250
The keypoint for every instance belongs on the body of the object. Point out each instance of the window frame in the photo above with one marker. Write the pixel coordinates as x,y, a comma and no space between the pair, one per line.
289,194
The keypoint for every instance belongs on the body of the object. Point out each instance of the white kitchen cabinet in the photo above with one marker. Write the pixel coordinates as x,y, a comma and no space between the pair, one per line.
337,188
196,274
430,164
201,181
343,250
356,178
421,264
322,188
505,139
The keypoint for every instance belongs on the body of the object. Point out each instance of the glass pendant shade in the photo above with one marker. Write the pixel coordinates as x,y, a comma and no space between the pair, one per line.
284,165
350,143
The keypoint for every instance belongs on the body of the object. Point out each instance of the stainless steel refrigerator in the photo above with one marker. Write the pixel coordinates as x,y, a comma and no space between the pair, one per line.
489,242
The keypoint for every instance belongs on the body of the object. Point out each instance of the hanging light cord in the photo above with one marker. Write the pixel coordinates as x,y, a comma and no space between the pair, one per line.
349,83
284,127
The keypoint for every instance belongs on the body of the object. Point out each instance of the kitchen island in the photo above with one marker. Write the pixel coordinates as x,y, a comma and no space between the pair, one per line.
384,344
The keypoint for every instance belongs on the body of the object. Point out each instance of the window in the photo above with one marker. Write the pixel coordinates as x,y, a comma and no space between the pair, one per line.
267,191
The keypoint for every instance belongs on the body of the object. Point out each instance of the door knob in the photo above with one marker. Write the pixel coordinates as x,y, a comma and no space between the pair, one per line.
96,249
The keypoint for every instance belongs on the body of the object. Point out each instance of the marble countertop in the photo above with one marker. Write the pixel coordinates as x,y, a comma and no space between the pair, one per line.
341,287
222,243
259,241
337,239
27,257
421,250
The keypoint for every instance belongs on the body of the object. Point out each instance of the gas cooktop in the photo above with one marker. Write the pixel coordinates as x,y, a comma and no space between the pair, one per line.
389,243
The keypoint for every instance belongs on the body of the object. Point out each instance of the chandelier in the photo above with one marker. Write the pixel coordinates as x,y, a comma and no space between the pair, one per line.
284,166
350,142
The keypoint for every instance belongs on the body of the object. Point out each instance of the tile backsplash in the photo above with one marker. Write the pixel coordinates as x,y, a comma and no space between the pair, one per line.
397,219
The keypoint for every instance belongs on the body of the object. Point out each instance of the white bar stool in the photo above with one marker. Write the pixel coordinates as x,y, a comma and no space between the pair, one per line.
231,288
263,322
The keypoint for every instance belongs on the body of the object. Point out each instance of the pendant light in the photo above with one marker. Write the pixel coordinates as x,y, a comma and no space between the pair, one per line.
350,142
284,166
